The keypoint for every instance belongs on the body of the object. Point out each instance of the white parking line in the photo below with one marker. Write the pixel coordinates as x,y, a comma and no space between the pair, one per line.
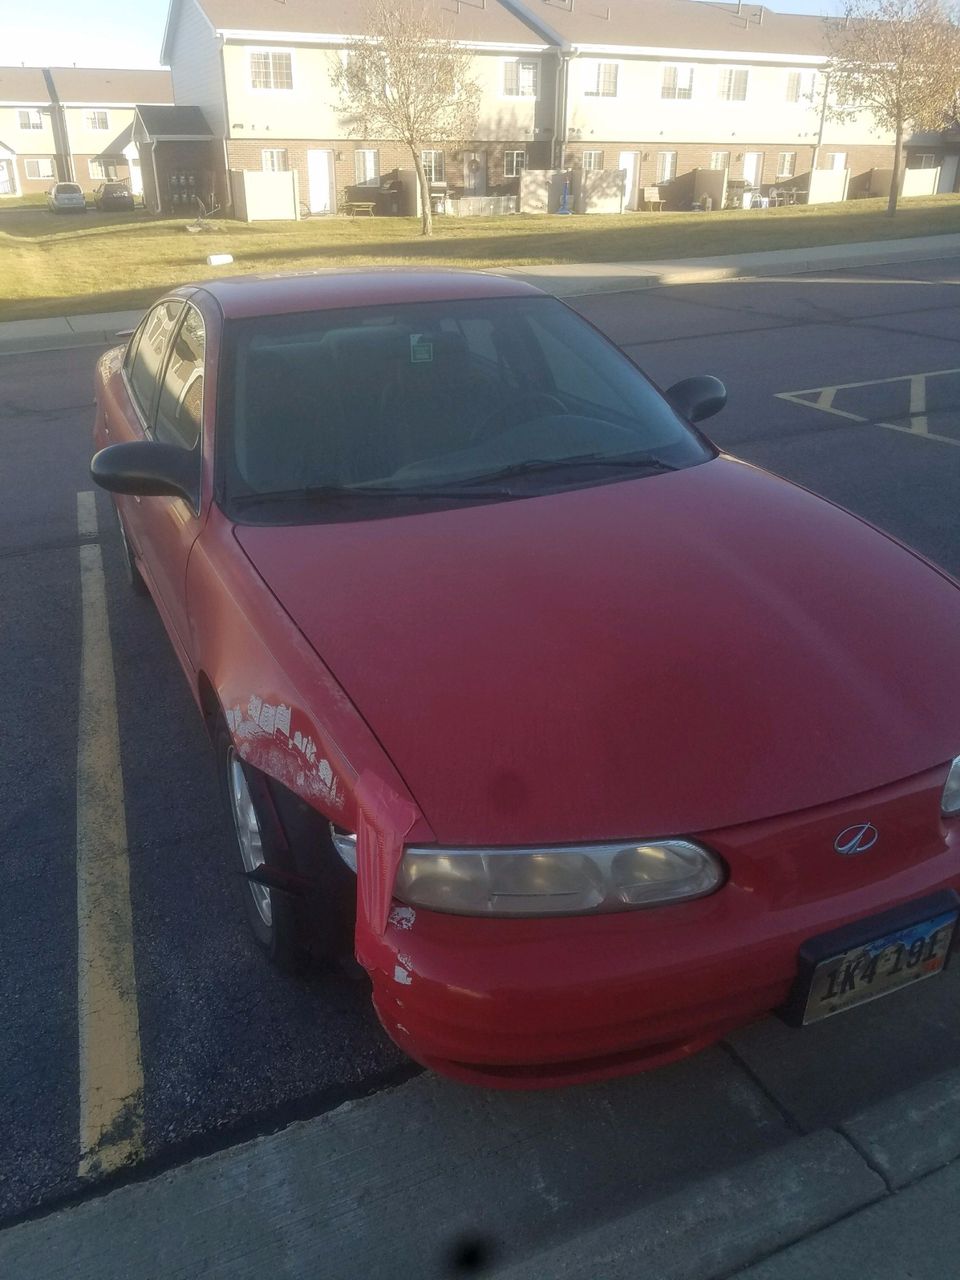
919,422
111,1074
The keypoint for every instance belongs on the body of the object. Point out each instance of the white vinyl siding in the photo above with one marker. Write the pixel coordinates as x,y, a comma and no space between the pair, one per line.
366,167
666,166
31,119
274,160
733,84
99,121
593,160
787,164
602,80
434,166
196,67
41,168
677,82
514,163
271,69
521,79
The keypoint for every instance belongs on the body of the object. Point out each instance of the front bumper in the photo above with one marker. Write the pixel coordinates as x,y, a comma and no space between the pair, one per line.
529,1003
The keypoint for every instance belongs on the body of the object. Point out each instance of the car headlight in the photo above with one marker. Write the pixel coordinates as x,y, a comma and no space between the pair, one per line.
950,800
556,881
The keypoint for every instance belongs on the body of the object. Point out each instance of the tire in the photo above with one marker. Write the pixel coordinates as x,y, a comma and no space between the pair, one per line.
134,577
313,920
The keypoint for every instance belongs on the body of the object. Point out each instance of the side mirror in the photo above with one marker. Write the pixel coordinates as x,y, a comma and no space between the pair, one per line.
697,398
148,469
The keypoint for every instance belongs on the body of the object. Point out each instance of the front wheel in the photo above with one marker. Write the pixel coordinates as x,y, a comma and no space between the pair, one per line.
299,897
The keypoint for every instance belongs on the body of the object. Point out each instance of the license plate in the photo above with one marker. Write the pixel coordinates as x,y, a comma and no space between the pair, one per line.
886,963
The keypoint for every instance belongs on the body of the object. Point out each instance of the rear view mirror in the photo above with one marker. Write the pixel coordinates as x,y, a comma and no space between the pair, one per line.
697,398
147,469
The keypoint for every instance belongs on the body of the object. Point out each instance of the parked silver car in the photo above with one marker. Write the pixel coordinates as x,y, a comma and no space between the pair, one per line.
66,197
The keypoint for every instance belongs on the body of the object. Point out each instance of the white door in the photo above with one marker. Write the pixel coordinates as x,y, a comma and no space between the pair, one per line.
7,185
948,174
630,161
752,168
320,174
474,173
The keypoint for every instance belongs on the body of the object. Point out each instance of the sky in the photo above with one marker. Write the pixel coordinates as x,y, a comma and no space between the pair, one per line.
127,33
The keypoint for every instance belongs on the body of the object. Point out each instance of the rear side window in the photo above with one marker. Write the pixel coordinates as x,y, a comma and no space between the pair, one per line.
144,369
181,396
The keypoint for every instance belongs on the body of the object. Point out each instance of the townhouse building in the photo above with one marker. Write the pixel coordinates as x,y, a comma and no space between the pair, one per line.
72,124
260,72
28,146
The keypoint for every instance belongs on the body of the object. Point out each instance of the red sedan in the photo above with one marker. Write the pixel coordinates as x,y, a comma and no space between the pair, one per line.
590,742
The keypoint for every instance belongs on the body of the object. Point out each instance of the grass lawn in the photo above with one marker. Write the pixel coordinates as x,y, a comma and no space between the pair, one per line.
63,264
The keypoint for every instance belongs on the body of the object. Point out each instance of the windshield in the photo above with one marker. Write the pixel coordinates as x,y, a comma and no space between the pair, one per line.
67,189
472,400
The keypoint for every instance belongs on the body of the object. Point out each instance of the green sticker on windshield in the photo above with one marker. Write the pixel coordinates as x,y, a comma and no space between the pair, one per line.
421,349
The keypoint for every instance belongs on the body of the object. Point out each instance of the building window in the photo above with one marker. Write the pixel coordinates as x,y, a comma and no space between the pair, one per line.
433,165
603,83
733,84
677,82
38,168
923,160
366,167
270,70
30,119
520,79
593,160
666,166
98,120
274,160
836,160
800,85
103,169
787,164
719,159
514,163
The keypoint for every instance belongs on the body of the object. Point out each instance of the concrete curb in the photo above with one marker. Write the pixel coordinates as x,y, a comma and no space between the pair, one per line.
572,282
355,1188
737,1219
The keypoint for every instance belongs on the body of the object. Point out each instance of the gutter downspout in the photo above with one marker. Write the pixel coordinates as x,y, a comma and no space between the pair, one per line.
156,176
566,56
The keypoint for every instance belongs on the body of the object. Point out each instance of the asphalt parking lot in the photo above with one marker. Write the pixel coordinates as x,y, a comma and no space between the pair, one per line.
848,383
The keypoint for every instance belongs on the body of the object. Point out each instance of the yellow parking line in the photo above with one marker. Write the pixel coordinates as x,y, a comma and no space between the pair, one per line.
111,1074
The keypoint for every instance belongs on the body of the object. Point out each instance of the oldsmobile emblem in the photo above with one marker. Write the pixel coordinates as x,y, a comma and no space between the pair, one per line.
856,839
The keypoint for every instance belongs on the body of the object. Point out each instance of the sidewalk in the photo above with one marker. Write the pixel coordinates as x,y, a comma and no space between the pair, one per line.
572,1186
564,281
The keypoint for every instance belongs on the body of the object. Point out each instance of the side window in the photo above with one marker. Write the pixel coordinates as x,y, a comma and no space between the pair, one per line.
181,396
144,369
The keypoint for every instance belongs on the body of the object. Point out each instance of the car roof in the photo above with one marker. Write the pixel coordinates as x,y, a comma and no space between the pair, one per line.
326,290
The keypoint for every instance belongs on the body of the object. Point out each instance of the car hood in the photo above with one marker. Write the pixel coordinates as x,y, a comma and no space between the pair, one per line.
666,654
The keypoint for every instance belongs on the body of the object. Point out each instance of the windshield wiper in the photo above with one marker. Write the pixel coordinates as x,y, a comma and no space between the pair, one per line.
529,465
320,492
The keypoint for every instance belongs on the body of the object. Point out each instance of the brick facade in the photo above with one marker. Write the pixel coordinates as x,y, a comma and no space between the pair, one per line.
247,153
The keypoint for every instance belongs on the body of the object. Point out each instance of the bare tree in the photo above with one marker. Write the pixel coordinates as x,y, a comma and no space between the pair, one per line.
899,59
409,80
